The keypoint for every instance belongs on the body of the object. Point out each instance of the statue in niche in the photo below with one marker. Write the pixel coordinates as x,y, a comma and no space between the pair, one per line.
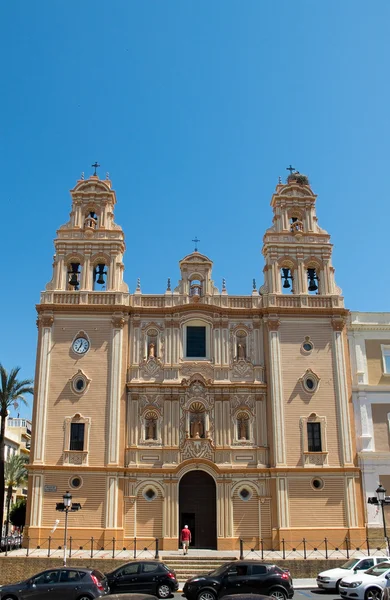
152,350
241,351
242,433
197,429
151,429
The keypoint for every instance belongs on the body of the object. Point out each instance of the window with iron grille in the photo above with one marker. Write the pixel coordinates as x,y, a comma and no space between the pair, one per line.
77,436
314,437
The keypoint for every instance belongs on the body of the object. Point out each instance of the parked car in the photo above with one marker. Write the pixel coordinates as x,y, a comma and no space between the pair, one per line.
65,583
130,597
368,585
148,576
11,542
330,579
241,577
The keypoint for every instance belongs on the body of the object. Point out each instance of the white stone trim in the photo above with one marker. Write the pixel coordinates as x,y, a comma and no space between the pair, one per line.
276,388
283,504
42,392
342,399
114,396
112,502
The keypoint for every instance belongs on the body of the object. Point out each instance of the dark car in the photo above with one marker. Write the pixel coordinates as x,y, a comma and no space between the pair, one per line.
66,583
241,577
148,576
130,597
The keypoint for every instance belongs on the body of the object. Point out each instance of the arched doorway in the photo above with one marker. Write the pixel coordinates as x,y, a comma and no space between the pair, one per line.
198,508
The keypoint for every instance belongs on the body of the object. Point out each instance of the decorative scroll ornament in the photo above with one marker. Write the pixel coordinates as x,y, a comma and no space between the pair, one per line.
199,448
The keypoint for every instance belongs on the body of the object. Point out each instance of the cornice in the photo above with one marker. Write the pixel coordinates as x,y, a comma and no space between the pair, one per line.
188,308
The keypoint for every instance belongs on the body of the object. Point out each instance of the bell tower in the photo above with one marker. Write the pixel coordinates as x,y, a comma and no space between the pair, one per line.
89,248
297,251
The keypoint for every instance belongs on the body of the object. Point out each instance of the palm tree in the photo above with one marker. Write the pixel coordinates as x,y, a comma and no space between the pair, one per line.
12,391
15,474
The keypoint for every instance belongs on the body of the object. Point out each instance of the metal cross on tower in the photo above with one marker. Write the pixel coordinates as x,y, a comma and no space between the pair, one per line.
95,166
196,243
291,169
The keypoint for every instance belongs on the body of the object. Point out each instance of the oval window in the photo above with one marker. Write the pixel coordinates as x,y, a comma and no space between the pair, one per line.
245,494
75,482
317,484
150,494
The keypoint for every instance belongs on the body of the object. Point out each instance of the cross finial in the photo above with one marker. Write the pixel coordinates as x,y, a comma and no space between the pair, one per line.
169,284
254,284
224,285
291,169
196,243
95,166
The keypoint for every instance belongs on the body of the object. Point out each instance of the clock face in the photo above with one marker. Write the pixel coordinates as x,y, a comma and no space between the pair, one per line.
80,345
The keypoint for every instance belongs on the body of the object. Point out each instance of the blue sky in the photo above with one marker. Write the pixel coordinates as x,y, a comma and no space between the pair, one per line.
195,109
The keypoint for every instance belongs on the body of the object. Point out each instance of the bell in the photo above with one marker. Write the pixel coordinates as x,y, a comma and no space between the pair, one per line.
73,280
286,276
311,273
100,272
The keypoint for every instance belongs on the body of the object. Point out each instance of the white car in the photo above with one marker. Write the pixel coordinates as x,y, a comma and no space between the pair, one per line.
330,579
365,586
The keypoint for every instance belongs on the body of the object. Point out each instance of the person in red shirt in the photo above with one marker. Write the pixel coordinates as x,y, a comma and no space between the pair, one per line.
185,538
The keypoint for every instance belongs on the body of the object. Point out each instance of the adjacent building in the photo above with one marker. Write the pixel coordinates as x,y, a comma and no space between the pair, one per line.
232,414
369,339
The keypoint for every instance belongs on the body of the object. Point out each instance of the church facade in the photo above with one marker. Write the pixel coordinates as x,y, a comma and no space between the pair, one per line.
232,414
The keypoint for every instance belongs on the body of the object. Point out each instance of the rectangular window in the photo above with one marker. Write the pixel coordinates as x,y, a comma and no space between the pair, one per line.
76,436
314,437
196,342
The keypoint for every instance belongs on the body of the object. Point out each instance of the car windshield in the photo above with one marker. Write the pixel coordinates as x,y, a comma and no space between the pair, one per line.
350,563
378,569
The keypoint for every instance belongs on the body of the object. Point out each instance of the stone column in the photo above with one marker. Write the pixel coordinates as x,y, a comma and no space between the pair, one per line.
283,508
112,501
276,389
36,492
45,322
350,498
344,425
115,391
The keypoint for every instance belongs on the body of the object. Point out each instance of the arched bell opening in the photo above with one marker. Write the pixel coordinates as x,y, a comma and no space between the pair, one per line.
74,276
100,277
198,508
287,276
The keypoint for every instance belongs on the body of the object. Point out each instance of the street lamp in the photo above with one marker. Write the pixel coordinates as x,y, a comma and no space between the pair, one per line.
67,498
381,494
65,507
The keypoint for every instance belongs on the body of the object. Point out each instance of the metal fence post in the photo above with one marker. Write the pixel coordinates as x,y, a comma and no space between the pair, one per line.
284,549
156,555
304,548
91,547
241,549
135,547
326,548
48,548
113,547
347,546
262,548
28,545
70,547
368,546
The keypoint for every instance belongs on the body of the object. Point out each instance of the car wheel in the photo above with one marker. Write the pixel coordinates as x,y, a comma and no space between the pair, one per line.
9,598
278,594
163,591
85,597
207,595
373,594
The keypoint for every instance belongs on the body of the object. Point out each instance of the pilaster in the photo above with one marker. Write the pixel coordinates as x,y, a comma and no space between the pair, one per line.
45,322
118,322
276,389
338,324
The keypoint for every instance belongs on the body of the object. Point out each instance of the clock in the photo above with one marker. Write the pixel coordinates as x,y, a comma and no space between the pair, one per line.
80,345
